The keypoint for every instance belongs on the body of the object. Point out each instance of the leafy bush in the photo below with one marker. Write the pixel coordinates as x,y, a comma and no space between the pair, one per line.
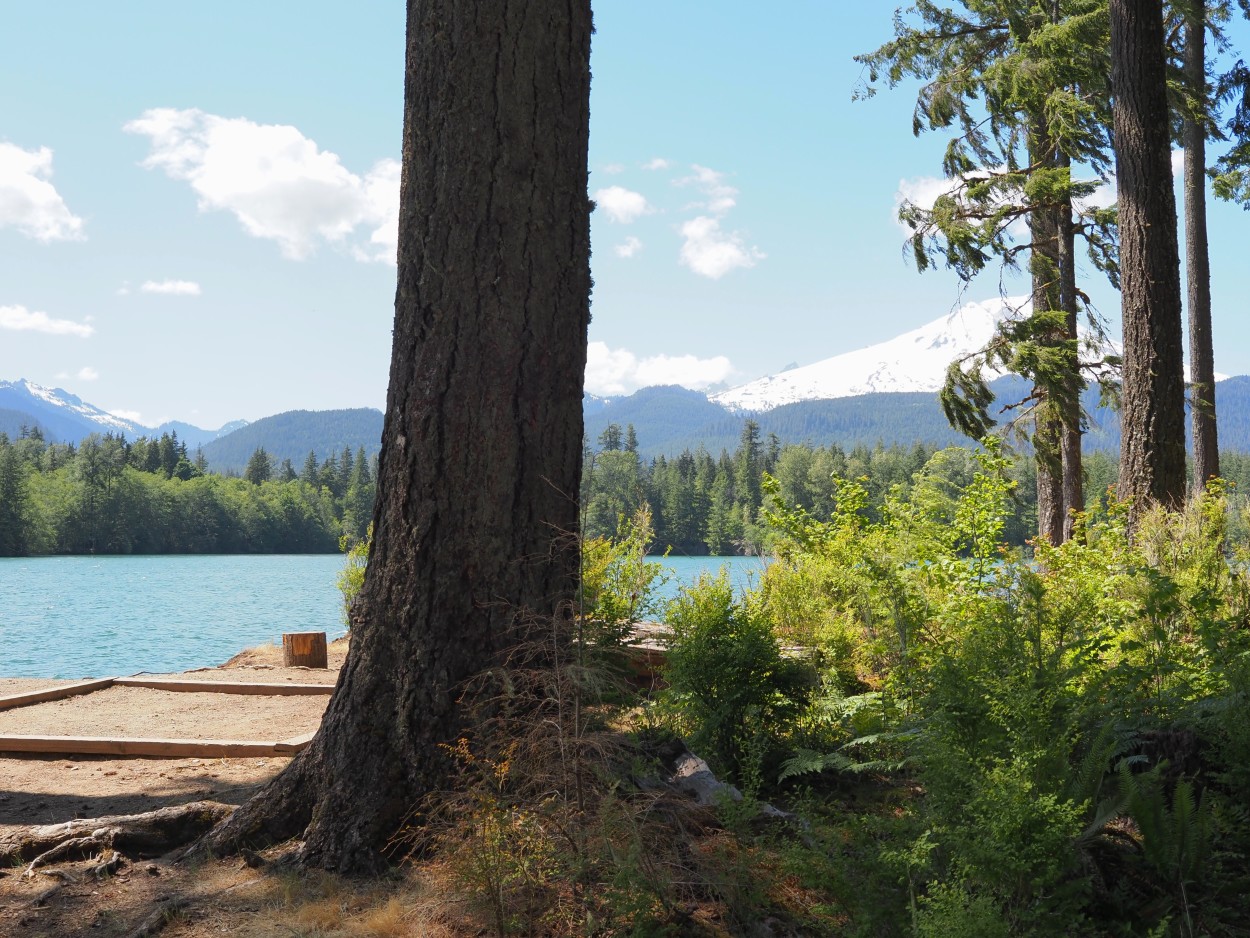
730,688
618,582
352,577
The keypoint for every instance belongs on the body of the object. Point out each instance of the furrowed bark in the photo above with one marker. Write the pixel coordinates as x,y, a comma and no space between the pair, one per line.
476,516
1152,451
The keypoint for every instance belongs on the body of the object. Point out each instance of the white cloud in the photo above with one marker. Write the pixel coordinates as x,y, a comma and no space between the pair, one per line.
707,249
621,204
28,200
382,195
21,319
275,181
721,196
619,371
921,191
657,163
1103,197
613,169
629,247
711,252
171,287
87,373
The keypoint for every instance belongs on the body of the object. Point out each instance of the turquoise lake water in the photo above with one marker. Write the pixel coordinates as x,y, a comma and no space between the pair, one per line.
76,617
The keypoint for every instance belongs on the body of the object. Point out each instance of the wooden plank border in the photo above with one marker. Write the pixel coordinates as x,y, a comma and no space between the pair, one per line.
27,698
169,748
224,687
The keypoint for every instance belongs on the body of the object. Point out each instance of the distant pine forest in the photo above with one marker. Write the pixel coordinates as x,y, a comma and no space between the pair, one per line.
702,503
107,495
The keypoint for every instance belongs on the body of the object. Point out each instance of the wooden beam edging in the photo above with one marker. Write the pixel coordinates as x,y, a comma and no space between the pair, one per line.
175,748
225,687
295,743
11,701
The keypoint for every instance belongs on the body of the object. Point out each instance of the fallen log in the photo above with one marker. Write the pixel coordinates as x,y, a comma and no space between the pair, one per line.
150,834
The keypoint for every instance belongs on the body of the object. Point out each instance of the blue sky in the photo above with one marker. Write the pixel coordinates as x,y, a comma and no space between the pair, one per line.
197,202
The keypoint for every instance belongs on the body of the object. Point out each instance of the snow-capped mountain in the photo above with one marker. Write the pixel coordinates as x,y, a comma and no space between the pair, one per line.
913,361
66,415
68,418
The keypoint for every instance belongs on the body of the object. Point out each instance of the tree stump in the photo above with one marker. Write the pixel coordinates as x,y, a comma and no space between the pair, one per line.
304,649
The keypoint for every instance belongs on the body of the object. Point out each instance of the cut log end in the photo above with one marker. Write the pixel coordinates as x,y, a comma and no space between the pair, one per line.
304,650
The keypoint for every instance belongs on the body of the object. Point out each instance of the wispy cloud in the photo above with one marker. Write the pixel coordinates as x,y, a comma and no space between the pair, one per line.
708,249
622,205
21,319
278,183
87,373
712,252
171,287
629,247
657,163
612,169
619,371
720,196
28,200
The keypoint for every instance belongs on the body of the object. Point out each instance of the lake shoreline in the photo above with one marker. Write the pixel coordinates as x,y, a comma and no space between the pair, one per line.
73,618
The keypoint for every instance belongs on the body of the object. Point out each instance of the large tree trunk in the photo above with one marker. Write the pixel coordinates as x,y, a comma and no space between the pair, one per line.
1197,263
1152,449
475,524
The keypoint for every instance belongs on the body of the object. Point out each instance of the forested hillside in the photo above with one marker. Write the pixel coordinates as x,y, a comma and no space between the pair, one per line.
151,496
294,434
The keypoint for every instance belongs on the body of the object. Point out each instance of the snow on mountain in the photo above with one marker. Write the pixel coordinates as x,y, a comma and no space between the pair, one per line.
913,361
56,402
68,418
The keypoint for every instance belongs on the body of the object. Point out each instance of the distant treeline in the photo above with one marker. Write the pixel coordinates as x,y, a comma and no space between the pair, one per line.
108,495
702,503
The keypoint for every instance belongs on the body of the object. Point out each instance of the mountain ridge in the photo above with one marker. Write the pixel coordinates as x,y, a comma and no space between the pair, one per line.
885,393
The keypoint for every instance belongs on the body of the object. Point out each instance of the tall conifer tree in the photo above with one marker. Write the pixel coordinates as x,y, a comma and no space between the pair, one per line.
474,529
1152,449
1018,80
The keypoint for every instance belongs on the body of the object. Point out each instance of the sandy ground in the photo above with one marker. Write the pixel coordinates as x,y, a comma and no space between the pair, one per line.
49,789
200,900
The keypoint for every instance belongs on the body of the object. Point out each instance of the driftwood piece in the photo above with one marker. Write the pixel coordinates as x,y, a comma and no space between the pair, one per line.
133,835
692,776
684,772
155,923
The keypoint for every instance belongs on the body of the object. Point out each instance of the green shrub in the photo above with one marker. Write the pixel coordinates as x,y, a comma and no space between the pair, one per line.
352,577
730,689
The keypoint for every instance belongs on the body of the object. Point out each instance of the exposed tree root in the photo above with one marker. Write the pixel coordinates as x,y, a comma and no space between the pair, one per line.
279,811
155,923
132,835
